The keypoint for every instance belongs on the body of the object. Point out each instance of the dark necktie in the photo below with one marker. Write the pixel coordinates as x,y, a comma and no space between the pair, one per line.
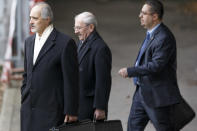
145,44
79,46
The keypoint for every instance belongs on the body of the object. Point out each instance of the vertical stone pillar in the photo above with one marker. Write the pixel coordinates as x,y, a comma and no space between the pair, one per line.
2,30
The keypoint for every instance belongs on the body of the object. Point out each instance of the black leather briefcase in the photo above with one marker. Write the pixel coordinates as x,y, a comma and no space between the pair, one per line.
110,125
183,114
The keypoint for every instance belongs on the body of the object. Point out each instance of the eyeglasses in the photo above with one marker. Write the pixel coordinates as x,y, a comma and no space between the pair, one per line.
145,13
79,28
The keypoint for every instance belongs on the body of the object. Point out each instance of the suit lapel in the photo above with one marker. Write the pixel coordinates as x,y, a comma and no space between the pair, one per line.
87,47
48,45
30,52
150,41
83,51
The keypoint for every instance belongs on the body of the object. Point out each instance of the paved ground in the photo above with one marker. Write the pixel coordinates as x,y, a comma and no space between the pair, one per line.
119,26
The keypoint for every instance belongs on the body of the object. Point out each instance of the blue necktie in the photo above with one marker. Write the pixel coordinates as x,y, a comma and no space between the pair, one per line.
145,44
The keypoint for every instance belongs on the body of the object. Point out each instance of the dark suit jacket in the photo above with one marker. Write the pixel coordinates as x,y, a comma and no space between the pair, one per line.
50,86
95,75
157,70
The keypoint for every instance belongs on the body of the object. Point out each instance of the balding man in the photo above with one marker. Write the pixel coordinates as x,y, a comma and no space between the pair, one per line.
95,59
50,86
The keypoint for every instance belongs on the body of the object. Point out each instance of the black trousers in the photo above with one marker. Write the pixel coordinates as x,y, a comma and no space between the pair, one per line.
140,114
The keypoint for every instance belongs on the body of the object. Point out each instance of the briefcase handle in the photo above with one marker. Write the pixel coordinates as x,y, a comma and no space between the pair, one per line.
102,120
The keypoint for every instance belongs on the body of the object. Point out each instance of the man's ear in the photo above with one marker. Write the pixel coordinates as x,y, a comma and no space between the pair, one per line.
155,16
48,20
91,26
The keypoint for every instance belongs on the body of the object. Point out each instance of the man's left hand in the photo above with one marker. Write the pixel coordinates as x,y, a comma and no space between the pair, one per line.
99,114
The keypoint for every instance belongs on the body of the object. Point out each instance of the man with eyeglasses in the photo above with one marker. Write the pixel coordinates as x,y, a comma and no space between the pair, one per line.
154,74
94,57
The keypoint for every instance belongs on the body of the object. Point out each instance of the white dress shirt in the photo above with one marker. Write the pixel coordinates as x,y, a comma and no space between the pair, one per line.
40,40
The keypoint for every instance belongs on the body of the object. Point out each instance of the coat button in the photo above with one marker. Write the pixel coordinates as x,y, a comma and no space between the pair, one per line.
80,69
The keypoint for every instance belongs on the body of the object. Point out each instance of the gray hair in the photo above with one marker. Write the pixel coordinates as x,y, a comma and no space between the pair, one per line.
46,11
87,18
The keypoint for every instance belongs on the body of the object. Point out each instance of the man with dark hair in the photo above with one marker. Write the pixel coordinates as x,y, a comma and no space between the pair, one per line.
50,86
154,73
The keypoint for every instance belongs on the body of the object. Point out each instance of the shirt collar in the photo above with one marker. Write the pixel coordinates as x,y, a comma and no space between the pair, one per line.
46,32
90,36
153,29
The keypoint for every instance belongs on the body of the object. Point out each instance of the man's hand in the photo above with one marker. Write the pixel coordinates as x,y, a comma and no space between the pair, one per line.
69,118
123,72
99,114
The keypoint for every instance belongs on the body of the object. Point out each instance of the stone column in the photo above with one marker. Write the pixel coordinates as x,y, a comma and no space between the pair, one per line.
2,30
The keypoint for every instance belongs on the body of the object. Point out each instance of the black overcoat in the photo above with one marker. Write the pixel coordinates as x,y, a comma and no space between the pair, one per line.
50,86
95,76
